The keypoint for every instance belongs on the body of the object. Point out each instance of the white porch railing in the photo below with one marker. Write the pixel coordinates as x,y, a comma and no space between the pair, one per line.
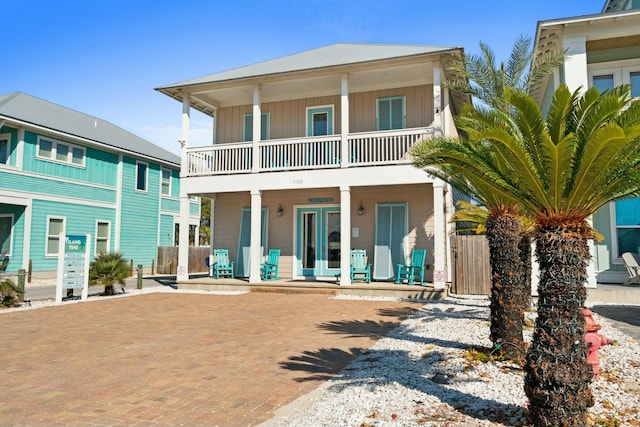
365,149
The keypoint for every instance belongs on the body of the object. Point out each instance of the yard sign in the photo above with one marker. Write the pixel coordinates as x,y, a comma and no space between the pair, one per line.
73,264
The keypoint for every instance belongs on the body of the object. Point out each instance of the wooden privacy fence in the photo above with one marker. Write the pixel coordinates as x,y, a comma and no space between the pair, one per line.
471,271
168,259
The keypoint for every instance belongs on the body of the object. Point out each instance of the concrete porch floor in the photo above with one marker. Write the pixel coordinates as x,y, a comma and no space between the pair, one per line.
361,289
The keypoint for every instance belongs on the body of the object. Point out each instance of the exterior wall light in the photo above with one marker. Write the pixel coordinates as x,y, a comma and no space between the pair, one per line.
360,209
280,211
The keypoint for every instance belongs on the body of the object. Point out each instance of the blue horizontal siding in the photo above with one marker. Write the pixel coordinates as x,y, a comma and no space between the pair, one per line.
17,243
167,229
170,205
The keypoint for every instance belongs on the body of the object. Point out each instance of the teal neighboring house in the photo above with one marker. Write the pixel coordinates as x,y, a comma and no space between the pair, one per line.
62,171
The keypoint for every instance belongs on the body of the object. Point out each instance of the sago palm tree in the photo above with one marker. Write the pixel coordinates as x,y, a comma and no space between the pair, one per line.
107,269
562,169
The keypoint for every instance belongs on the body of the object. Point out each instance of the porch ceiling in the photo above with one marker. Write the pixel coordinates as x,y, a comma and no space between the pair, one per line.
386,74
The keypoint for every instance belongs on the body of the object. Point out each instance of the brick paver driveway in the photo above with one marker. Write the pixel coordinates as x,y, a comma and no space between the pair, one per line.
169,359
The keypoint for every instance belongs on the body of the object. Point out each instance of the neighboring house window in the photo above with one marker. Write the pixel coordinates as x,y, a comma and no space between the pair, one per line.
194,198
612,76
603,82
141,176
6,234
627,226
5,143
55,226
103,229
390,113
166,182
248,127
62,152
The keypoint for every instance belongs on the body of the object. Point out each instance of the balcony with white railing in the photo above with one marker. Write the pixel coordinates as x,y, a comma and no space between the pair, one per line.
314,152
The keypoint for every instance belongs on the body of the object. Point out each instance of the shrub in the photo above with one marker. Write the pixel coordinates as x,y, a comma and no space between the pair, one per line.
107,269
10,295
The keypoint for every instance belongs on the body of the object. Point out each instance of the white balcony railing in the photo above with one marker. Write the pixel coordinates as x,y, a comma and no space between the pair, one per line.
365,149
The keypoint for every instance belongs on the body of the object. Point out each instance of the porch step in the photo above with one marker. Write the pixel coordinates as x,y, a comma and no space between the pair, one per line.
294,290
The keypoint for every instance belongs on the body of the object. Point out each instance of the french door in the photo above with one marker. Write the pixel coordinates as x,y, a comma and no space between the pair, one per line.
318,241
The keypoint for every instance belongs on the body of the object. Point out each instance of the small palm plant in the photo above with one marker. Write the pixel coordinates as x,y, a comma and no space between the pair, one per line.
107,269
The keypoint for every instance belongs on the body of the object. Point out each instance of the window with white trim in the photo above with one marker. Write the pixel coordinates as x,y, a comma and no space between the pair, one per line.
55,226
5,148
390,113
103,231
6,234
248,127
627,226
609,75
61,152
166,182
142,175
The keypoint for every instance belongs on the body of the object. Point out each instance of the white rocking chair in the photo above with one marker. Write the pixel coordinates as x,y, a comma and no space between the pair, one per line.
633,268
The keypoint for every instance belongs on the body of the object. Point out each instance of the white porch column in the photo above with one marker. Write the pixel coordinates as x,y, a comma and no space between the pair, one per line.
183,226
437,100
211,220
439,236
257,120
256,232
345,235
183,242
575,66
344,121
214,126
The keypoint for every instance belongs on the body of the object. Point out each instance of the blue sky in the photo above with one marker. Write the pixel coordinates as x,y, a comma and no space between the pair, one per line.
105,57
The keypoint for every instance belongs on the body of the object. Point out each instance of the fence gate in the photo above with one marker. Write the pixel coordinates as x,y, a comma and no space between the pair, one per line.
168,259
471,270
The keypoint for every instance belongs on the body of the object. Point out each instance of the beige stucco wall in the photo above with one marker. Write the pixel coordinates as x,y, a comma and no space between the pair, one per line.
287,119
280,230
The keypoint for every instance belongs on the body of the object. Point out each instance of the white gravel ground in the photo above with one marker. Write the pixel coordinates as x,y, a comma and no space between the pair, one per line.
418,376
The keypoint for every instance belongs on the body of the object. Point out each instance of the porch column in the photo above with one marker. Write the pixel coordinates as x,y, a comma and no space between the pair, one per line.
437,100
183,225
439,236
575,65
257,120
211,220
214,126
344,122
345,235
256,232
183,242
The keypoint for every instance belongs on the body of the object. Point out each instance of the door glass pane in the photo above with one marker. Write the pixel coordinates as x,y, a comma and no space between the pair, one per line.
320,124
634,79
397,115
5,234
333,240
603,82
384,114
309,240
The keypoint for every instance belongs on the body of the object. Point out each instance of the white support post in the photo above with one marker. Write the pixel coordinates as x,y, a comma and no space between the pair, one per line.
183,242
437,100
344,122
256,232
575,66
186,124
345,235
211,221
439,236
214,126
257,121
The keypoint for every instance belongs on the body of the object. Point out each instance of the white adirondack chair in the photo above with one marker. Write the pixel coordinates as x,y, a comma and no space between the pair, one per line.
633,268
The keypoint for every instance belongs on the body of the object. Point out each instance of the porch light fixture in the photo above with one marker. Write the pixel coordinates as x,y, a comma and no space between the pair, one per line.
280,211
360,209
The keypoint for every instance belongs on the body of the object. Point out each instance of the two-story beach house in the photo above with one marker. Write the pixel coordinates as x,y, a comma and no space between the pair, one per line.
62,171
310,155
603,50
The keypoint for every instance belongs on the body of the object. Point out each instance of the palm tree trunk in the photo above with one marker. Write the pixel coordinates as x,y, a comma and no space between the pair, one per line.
524,246
557,375
507,314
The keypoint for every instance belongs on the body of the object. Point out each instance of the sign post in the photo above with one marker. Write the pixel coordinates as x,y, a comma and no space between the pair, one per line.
73,264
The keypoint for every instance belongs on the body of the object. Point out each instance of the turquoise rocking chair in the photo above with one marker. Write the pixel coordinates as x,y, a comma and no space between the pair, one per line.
220,265
414,272
360,270
269,269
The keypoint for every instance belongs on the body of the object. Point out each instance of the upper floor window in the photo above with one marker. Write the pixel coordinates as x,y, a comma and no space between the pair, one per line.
390,113
166,182
55,226
51,149
608,75
320,120
248,127
5,144
142,172
103,229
